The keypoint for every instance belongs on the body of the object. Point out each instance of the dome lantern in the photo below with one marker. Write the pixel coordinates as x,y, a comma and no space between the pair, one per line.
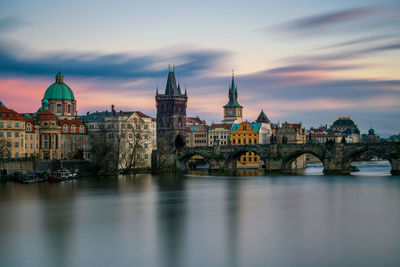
59,77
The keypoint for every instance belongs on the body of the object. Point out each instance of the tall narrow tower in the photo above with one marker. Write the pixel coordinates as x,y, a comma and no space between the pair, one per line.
171,113
233,110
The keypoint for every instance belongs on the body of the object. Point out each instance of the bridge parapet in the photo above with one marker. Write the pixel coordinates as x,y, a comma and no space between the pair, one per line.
336,158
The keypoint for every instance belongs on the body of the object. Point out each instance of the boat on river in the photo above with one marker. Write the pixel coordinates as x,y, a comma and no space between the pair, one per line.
59,176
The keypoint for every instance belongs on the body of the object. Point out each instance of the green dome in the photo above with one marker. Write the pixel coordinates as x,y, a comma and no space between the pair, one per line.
59,90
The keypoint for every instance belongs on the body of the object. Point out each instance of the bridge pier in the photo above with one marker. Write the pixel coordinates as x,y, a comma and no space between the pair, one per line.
395,162
216,164
332,167
274,166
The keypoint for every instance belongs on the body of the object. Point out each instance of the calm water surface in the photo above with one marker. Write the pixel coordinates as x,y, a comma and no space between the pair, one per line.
204,220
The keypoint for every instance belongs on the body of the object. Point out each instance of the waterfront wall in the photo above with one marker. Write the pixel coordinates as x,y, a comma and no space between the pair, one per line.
42,165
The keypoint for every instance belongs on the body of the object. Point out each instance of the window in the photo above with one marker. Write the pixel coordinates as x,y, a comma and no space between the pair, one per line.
16,125
69,108
146,127
16,134
16,144
1,134
1,125
16,155
58,108
137,127
9,134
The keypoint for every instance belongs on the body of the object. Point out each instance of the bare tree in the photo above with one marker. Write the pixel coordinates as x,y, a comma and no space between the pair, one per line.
132,144
103,154
73,146
131,156
3,148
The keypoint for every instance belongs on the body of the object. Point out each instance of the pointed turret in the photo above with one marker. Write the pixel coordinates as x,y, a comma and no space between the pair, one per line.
179,89
263,118
171,89
233,94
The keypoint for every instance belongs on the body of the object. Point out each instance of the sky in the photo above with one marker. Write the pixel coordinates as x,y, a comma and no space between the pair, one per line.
300,61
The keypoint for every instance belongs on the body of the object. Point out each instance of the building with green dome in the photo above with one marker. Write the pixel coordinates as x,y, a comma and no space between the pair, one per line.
61,99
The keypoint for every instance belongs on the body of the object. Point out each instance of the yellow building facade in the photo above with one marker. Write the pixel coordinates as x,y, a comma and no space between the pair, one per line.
243,134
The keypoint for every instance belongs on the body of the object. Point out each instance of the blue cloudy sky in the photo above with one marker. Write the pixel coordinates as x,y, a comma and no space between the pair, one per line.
299,61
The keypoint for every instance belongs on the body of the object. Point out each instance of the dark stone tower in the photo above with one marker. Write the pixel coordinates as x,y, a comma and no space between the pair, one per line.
171,114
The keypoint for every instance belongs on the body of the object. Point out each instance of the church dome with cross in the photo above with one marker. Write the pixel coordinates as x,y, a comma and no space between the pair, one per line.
61,99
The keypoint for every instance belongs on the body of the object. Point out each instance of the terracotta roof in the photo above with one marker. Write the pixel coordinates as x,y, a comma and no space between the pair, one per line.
70,122
295,125
195,120
141,114
153,119
221,125
30,120
9,114
45,114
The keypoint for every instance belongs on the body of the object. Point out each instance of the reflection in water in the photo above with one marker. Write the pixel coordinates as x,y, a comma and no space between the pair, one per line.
171,212
202,219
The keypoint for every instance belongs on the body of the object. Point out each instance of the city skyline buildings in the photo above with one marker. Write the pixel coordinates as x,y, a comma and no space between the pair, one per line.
296,60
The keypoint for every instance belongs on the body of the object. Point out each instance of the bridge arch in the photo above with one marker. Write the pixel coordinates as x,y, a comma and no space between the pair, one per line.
234,156
350,157
183,159
290,158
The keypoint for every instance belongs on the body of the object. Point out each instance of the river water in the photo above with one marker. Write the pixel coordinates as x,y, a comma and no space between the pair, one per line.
197,219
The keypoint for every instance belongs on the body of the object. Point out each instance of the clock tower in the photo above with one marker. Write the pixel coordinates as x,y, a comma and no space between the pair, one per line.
233,110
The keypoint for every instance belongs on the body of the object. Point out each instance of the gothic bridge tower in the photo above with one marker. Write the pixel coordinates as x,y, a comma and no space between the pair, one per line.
233,110
171,113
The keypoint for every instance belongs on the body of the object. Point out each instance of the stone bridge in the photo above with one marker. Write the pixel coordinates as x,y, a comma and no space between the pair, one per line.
336,158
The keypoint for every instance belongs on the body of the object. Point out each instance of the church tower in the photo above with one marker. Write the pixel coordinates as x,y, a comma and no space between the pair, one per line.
233,110
171,113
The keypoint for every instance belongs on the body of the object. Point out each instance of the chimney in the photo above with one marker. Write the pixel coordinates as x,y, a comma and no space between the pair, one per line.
112,109
87,113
